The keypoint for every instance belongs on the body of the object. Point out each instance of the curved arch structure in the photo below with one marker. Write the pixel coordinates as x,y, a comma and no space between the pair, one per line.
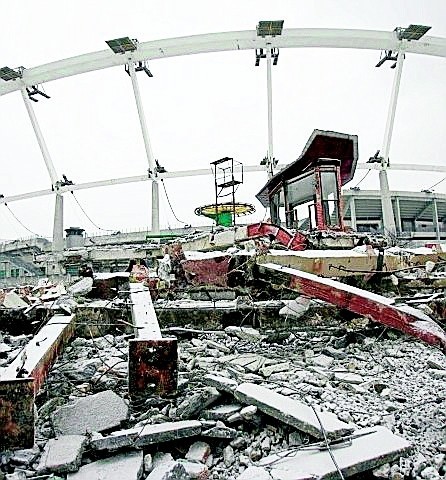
206,43
222,42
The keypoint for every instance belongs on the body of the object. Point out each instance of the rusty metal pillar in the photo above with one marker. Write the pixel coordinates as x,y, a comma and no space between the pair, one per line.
21,380
153,360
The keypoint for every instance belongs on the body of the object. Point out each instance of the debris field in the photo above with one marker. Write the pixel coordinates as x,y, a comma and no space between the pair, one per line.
264,383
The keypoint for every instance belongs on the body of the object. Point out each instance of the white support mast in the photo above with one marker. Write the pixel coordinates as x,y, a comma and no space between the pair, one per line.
270,162
43,148
57,245
150,158
386,200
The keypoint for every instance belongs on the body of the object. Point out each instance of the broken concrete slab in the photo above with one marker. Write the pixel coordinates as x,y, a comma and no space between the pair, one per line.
291,412
94,413
267,371
347,377
370,448
248,361
193,405
198,452
63,454
255,473
25,456
195,470
127,465
322,360
149,434
222,412
220,431
13,300
169,471
223,384
246,334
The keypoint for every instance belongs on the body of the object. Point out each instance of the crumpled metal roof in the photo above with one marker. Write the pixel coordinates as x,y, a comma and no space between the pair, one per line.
321,144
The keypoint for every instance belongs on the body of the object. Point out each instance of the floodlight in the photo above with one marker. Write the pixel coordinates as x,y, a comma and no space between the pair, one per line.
412,32
389,55
144,67
7,74
33,90
269,28
122,45
260,53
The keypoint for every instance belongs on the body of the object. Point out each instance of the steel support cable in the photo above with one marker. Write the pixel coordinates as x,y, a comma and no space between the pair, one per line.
89,218
170,205
363,178
435,184
22,224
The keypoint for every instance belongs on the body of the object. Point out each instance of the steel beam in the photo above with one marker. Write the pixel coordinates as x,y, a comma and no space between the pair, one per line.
194,173
22,378
153,360
370,305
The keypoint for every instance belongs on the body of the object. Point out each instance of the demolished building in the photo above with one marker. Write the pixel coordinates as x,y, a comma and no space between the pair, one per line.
233,355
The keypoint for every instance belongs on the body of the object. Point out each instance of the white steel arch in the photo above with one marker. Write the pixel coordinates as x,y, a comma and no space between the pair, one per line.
207,43
227,41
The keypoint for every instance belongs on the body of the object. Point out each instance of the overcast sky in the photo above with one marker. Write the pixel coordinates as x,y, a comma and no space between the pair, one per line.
204,107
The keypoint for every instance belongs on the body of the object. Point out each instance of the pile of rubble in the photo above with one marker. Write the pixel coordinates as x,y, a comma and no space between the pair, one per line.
250,405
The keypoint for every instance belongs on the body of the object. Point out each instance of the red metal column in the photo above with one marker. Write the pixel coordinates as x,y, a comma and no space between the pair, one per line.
153,360
375,307
21,380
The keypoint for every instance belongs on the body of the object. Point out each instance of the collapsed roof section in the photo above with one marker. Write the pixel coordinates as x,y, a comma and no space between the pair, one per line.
322,144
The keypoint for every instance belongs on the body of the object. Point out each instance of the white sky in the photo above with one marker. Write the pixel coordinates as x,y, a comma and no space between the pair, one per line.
204,107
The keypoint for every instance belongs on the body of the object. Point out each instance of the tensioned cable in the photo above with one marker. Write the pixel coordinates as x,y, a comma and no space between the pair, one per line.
21,223
89,218
435,184
170,205
368,171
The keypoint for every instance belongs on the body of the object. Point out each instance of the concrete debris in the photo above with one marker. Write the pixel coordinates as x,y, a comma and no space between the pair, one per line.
222,412
82,287
255,473
368,449
246,334
62,454
169,471
94,413
220,383
196,403
125,465
198,452
195,470
243,408
147,435
295,308
292,412
13,300
220,431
